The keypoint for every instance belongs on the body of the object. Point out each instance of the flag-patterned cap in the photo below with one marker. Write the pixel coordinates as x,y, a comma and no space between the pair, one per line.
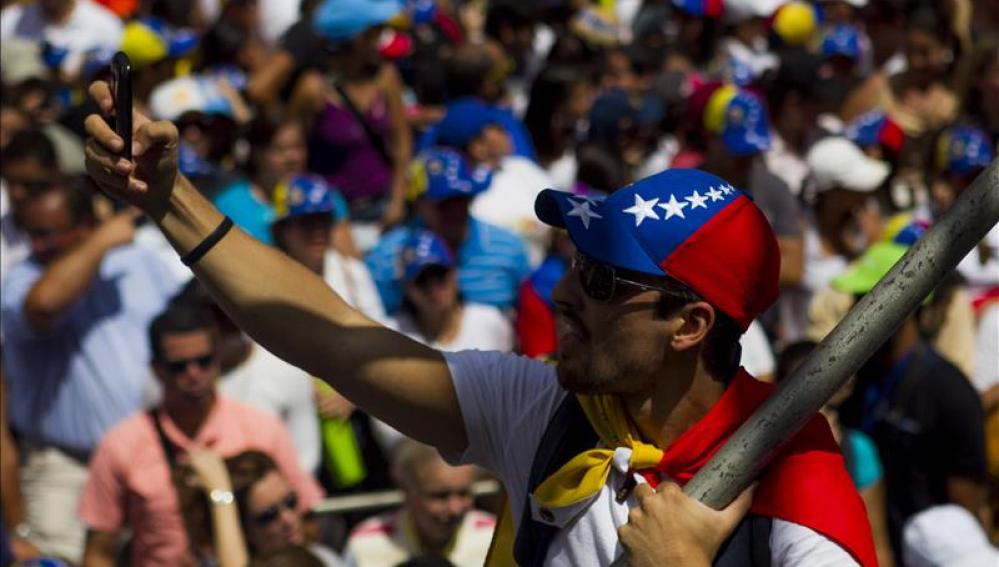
683,223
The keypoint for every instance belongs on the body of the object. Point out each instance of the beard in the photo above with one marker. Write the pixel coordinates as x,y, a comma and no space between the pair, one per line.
598,372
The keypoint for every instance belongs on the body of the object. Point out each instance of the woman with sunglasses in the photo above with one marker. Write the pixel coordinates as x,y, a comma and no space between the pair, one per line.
268,520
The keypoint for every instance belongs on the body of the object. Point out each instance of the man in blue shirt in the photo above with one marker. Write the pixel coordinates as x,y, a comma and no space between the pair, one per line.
75,313
491,261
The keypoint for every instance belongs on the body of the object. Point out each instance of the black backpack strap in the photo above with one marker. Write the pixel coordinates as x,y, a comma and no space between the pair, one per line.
373,138
568,434
169,449
749,544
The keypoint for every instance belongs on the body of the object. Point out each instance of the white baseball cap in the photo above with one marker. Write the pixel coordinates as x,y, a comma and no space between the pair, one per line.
946,536
836,162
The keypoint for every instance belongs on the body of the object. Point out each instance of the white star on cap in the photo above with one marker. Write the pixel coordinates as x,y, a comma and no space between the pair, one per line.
727,189
673,208
697,200
715,194
582,210
643,209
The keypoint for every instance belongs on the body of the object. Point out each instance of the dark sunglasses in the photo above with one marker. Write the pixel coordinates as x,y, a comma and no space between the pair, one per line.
600,281
33,185
431,275
177,366
268,516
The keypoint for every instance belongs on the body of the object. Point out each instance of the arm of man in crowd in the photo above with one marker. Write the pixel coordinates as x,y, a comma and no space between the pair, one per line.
401,149
227,534
10,485
280,303
267,80
68,277
792,259
100,549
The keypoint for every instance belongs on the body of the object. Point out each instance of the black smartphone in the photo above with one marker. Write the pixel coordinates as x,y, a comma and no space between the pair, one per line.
121,87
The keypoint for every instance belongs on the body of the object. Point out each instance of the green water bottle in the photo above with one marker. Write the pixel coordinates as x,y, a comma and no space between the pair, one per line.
341,454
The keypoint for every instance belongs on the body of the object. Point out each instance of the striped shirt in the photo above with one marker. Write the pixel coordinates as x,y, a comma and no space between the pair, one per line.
492,262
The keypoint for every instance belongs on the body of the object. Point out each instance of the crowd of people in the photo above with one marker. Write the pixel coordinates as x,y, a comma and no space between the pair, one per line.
397,150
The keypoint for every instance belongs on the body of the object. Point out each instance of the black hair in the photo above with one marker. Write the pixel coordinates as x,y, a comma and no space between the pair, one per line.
467,71
179,317
31,143
600,167
791,357
426,561
549,93
503,14
222,42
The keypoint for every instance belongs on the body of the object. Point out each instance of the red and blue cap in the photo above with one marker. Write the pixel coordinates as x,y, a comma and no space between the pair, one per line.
442,173
963,149
683,223
740,118
707,8
842,40
422,250
875,128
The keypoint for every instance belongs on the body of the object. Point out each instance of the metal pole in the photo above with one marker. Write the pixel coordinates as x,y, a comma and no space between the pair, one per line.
869,324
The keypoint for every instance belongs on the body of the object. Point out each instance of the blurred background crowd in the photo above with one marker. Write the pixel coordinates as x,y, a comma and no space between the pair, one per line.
395,148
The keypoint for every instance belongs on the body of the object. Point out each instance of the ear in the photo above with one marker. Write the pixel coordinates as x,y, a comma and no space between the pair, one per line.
696,320
160,372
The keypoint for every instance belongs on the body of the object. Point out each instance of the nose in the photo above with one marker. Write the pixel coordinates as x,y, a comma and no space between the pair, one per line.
457,504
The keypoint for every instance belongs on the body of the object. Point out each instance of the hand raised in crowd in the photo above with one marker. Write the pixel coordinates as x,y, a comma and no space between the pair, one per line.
210,468
670,528
330,404
145,181
118,229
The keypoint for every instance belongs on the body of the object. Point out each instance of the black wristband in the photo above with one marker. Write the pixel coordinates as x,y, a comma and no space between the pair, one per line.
208,243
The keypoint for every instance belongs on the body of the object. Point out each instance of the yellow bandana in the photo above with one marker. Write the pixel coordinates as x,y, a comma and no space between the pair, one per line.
585,474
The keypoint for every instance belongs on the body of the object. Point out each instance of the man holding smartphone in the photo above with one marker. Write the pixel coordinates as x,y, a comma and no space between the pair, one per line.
657,352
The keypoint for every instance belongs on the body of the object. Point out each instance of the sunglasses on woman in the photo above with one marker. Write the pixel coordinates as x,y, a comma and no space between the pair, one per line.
272,513
600,281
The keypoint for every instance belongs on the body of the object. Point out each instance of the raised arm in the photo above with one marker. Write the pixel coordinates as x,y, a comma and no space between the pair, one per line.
281,304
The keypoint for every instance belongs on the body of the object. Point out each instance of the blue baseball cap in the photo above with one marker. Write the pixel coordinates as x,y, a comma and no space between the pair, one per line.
464,120
613,114
842,40
442,173
339,20
422,250
683,223
190,163
739,117
963,149
306,195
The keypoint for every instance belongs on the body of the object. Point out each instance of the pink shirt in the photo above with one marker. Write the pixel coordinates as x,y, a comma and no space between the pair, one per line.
130,484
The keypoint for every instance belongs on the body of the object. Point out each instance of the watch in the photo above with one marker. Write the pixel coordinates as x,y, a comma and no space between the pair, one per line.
221,497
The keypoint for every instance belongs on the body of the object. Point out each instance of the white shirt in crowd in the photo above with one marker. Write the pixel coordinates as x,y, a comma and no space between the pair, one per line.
89,26
351,280
266,382
388,539
13,243
507,401
482,327
509,203
757,354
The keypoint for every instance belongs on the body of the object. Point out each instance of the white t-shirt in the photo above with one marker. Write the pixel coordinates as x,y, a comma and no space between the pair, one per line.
89,26
13,243
507,401
757,354
509,203
482,327
266,382
986,360
351,280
